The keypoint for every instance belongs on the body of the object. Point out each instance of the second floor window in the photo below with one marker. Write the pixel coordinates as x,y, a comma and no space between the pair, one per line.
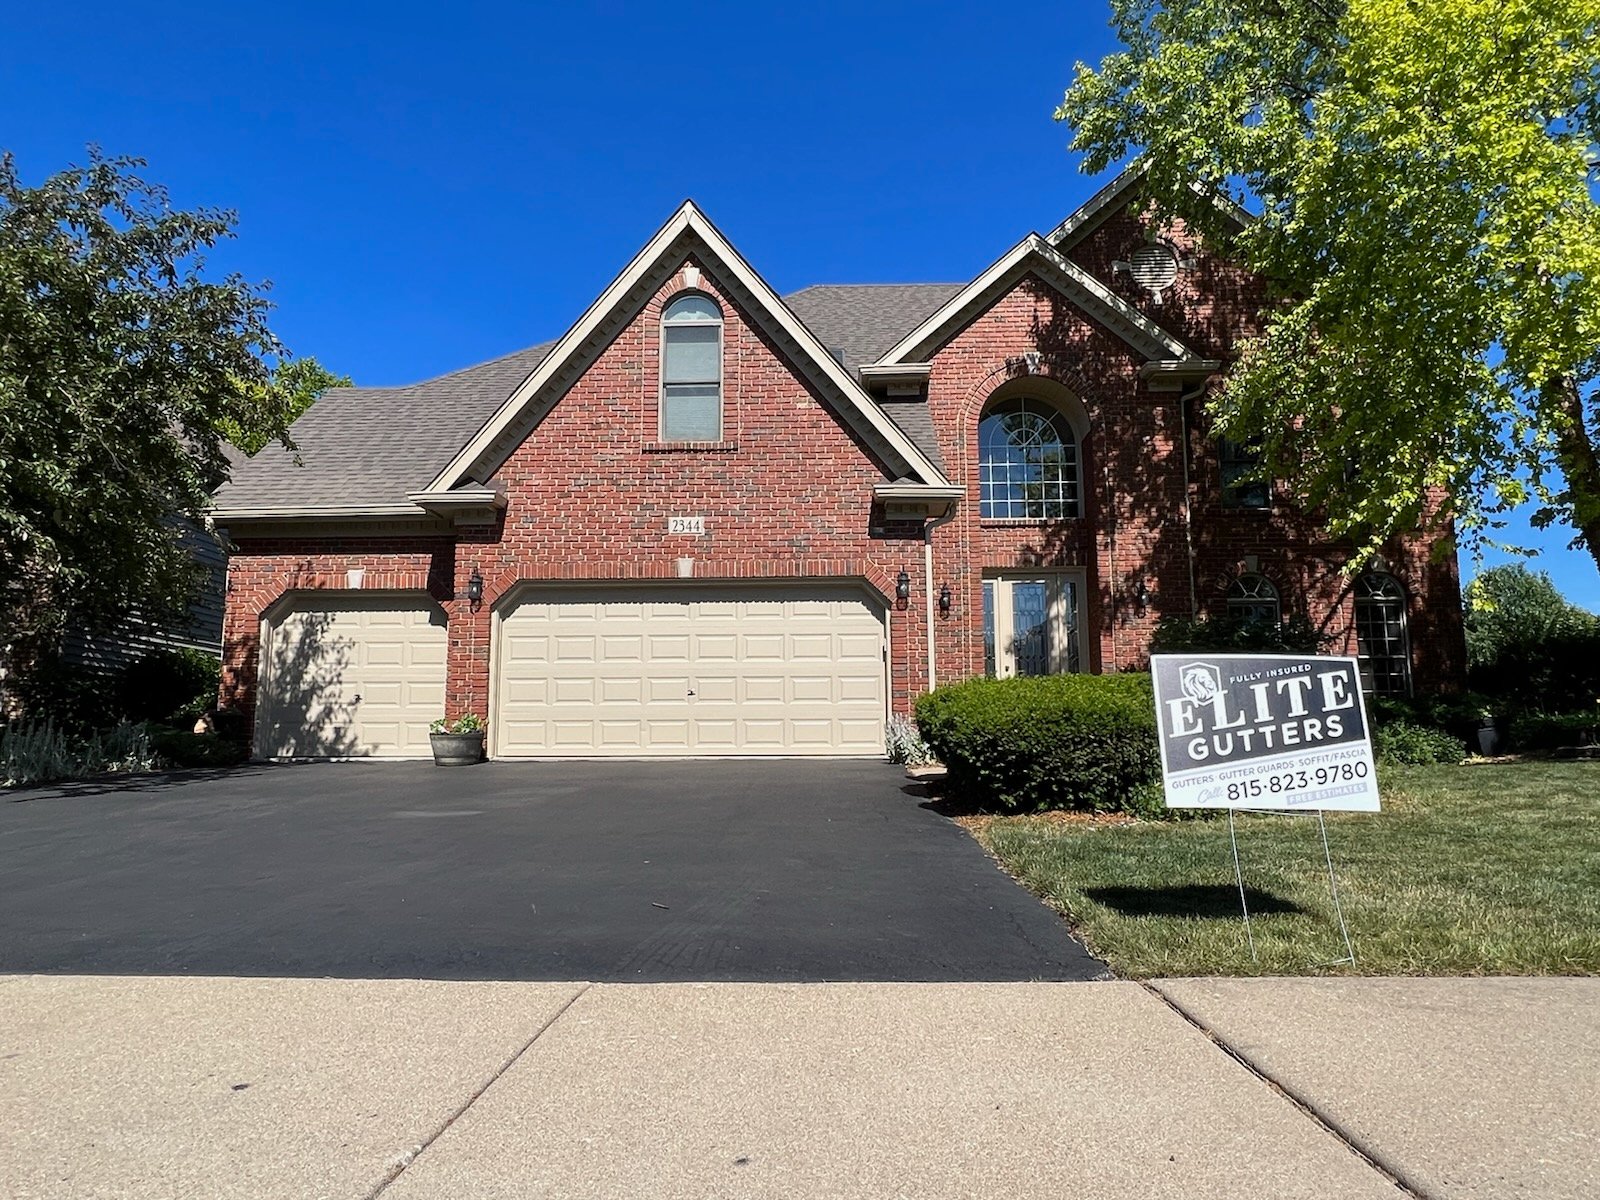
1027,462
1241,486
691,370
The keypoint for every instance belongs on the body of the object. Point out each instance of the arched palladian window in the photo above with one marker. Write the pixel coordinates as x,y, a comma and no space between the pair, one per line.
1382,639
691,370
1027,462
1254,599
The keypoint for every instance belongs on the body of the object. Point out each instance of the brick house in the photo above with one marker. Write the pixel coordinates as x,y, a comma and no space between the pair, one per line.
710,520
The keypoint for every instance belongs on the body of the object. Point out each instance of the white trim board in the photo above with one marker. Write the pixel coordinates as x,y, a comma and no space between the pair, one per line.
688,223
1034,254
1089,215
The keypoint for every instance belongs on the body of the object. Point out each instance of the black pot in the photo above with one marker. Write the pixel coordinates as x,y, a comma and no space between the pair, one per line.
456,749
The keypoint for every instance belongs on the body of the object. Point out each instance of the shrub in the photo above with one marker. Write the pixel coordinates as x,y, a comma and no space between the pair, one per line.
41,752
903,744
1055,741
169,685
1406,742
1236,635
1554,731
73,699
180,748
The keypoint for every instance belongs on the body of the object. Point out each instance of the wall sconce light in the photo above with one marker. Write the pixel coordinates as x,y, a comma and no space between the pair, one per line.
1142,595
902,586
945,600
475,588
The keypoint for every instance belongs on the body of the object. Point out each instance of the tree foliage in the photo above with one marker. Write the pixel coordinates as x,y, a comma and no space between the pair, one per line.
299,383
1526,643
1424,170
122,368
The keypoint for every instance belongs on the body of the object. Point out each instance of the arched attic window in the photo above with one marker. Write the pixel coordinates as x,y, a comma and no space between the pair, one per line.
691,370
1253,599
1382,638
1027,462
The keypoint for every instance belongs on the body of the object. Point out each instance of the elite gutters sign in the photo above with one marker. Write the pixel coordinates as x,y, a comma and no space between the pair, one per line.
1282,731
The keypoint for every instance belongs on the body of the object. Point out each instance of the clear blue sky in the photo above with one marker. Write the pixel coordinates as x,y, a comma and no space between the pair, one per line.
428,186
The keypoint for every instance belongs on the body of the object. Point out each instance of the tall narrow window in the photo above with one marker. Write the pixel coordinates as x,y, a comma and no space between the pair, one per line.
691,370
1254,600
1382,639
1027,462
1240,489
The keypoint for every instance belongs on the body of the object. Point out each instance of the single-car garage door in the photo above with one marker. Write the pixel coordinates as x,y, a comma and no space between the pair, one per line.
690,669
351,676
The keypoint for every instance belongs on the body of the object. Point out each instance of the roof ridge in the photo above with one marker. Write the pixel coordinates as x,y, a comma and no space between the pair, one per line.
488,362
811,287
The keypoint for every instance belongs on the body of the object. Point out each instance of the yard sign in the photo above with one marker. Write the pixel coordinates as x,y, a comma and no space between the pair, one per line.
1264,731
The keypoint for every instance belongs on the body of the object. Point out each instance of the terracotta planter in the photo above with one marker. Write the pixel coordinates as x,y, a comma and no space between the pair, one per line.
456,749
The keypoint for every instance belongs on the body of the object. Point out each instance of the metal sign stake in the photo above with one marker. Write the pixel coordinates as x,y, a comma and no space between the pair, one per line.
1333,889
1239,877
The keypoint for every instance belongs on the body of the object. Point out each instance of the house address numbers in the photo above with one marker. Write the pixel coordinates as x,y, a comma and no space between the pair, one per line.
689,525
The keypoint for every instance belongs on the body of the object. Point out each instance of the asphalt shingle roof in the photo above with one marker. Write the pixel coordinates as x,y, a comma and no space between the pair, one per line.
373,446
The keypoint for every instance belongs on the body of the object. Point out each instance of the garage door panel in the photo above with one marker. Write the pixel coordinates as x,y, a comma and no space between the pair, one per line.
622,649
351,675
764,689
706,668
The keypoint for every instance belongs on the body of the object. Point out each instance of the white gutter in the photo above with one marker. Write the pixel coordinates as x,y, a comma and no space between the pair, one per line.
273,513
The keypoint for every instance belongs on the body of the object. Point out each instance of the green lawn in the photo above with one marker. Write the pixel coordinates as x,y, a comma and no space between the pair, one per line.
1468,870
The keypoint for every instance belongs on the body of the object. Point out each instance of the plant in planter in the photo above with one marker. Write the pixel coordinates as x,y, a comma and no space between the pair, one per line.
457,743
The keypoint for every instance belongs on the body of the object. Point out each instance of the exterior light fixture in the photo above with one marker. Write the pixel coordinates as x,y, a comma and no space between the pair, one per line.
945,599
1142,595
475,588
902,586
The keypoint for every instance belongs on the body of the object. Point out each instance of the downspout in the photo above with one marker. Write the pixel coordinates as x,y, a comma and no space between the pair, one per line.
1188,502
927,574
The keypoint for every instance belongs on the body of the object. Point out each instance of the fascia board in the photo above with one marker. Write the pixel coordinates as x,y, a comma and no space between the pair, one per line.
267,512
1115,313
687,219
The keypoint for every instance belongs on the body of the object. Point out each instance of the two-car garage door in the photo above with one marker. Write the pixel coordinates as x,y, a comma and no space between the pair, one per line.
690,669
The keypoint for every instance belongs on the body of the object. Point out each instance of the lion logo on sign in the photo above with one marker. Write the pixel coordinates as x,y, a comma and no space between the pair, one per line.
1201,682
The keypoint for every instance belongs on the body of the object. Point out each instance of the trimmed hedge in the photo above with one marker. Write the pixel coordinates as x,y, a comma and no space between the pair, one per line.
1406,742
1555,731
180,748
1054,741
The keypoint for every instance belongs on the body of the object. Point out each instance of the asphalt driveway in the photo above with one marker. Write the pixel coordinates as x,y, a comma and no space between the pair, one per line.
764,871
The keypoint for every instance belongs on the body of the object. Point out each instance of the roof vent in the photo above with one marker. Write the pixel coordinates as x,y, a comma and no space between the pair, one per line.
1153,267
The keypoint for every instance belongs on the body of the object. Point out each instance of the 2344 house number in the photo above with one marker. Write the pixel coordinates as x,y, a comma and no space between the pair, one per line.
691,525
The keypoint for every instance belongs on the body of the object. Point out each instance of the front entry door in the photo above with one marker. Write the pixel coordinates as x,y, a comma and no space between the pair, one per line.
1031,623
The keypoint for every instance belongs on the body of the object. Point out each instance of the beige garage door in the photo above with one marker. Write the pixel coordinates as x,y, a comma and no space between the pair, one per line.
693,669
351,677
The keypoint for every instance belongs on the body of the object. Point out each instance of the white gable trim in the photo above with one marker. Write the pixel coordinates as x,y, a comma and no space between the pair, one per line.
858,408
1034,254
1088,215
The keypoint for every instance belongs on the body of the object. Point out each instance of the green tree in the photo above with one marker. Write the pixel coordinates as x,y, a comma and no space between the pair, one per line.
299,383
1510,609
1528,644
121,366
1424,170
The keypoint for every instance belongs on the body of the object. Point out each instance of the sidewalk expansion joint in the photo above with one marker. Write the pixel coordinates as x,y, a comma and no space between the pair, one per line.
1306,1107
411,1156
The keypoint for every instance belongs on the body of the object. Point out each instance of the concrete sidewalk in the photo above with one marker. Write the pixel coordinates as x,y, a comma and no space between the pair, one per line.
115,1086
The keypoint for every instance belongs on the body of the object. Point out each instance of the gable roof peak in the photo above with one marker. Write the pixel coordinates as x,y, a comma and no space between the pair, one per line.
509,423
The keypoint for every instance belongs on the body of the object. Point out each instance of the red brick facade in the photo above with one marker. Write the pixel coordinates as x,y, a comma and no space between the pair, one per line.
788,494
